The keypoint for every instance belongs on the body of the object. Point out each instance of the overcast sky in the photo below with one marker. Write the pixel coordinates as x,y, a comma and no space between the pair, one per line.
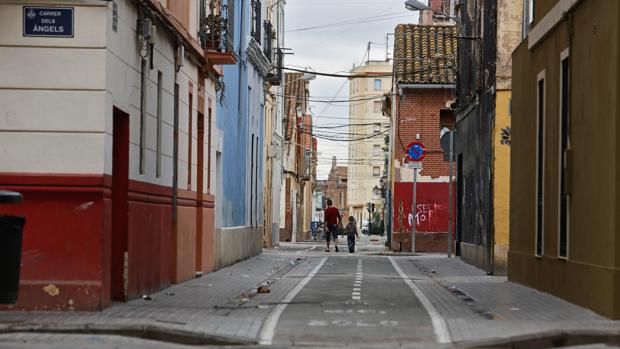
335,48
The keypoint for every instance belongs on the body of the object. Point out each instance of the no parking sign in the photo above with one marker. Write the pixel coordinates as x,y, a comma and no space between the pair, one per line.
416,151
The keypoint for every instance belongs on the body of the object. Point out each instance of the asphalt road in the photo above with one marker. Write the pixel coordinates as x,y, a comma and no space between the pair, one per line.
355,301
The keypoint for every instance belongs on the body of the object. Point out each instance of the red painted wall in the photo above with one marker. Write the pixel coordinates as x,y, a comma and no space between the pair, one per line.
66,251
66,240
432,206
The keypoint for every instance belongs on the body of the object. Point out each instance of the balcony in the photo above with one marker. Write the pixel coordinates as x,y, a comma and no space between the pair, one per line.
275,75
256,20
268,44
217,34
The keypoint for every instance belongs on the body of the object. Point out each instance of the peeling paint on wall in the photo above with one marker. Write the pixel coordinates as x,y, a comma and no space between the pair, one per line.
51,290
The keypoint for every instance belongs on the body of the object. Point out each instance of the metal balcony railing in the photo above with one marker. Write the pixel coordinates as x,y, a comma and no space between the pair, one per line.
218,28
275,75
256,20
268,44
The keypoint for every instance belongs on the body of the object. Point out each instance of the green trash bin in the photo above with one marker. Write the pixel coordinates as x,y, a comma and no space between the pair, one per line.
11,234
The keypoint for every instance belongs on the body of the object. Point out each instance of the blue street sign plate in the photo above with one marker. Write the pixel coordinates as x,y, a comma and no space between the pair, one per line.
56,22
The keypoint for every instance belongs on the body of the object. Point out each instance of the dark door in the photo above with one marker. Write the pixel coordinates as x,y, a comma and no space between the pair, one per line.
200,243
120,189
459,202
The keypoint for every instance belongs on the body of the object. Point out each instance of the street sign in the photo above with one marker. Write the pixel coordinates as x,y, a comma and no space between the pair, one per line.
414,165
48,21
416,151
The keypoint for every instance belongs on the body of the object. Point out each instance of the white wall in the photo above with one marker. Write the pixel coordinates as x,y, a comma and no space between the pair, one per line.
52,91
123,82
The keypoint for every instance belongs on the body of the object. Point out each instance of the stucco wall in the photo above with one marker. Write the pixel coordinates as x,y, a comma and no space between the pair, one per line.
501,181
233,245
589,275
57,85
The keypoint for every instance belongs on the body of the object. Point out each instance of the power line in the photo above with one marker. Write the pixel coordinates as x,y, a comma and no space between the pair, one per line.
350,76
376,18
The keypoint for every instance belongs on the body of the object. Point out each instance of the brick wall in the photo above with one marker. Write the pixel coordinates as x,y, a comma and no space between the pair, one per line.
417,112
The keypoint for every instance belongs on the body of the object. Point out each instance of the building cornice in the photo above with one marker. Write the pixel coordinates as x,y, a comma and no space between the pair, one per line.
257,58
549,22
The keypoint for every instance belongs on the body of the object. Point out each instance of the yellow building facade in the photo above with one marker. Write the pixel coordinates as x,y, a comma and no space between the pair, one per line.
367,156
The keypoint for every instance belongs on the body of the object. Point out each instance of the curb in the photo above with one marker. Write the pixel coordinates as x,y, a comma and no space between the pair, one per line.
142,331
548,339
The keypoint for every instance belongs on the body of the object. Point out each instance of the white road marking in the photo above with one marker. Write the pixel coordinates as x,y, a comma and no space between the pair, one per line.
439,324
347,323
341,323
317,323
357,294
269,327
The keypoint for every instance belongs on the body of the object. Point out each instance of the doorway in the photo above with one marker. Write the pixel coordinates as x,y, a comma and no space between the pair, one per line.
459,203
120,205
200,238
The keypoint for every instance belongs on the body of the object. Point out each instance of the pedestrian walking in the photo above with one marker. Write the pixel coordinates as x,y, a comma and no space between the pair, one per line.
313,226
332,221
351,234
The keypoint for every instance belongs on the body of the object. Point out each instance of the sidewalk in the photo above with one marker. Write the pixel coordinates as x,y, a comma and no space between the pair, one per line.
481,309
220,308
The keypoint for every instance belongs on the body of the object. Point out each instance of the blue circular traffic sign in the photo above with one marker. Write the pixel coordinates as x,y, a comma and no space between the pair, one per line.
416,151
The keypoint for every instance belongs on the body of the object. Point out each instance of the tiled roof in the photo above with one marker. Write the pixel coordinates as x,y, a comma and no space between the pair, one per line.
294,95
425,54
308,131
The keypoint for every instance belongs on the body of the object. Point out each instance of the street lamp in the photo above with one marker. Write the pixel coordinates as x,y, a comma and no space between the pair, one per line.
308,77
415,5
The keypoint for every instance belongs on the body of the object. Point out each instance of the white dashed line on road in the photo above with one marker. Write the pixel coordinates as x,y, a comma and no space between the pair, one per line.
356,295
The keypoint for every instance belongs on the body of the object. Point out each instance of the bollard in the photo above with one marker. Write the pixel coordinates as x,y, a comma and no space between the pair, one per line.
11,235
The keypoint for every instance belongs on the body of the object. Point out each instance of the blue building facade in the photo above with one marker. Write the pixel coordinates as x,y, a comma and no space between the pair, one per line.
240,122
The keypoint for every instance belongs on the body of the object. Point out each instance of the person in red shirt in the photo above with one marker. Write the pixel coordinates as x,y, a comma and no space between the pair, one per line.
332,222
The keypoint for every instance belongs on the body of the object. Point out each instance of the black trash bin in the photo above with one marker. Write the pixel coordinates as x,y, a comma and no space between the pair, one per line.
11,230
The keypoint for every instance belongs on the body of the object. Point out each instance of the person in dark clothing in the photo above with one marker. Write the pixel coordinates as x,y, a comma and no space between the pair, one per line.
351,234
332,222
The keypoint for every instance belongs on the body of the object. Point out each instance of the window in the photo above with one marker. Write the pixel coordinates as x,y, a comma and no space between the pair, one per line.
377,84
189,137
377,128
376,148
256,20
159,116
252,183
377,106
564,199
540,161
528,16
143,86
376,171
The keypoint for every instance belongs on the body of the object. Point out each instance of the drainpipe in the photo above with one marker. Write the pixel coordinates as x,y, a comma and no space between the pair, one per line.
178,57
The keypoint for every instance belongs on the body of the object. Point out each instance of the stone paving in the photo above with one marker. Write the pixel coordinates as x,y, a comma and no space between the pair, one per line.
479,307
221,304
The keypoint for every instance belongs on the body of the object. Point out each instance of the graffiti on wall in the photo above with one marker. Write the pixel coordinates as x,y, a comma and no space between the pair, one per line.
425,212
431,207
506,136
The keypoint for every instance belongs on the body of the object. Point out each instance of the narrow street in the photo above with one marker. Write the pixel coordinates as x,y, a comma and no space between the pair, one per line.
322,299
